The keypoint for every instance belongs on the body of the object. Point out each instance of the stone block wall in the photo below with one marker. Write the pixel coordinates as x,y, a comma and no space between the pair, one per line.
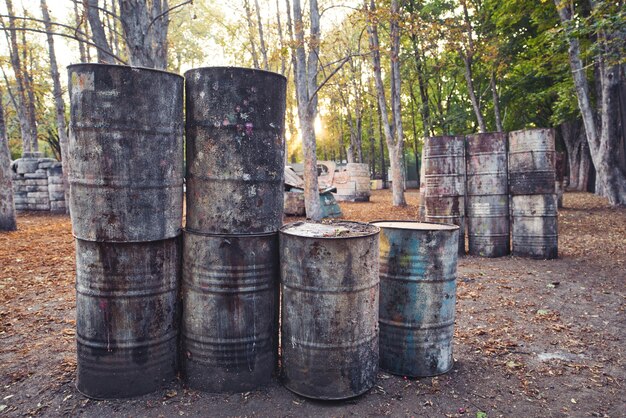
38,184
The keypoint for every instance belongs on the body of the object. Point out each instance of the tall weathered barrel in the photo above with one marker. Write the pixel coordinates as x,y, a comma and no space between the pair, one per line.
126,153
230,311
329,276
126,308
418,264
235,151
444,172
487,195
531,161
534,220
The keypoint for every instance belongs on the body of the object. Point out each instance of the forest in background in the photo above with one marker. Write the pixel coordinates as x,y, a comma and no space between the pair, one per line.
377,77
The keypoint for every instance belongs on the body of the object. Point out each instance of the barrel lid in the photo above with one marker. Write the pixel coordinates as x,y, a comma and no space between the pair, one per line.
232,68
129,67
417,226
332,230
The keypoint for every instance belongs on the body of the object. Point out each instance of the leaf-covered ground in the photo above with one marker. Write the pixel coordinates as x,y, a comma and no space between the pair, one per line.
533,337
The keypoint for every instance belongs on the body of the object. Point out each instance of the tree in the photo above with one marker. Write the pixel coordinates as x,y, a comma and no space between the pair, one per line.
7,206
610,180
305,79
59,103
394,142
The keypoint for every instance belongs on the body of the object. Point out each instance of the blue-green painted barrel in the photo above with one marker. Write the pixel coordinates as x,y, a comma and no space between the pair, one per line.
418,264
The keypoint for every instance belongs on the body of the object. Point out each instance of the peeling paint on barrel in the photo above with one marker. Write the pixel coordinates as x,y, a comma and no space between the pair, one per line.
125,152
534,221
444,173
418,268
230,311
126,316
329,340
235,150
487,195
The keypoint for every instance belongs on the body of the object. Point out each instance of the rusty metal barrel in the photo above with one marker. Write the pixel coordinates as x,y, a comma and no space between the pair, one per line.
230,311
329,276
487,195
418,268
126,153
235,150
534,226
126,316
444,172
531,161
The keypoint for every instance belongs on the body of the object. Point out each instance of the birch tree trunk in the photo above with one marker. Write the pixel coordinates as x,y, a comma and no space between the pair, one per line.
306,84
16,63
496,102
394,144
7,206
281,40
609,178
467,57
255,58
78,20
105,54
59,104
266,66
30,89
145,25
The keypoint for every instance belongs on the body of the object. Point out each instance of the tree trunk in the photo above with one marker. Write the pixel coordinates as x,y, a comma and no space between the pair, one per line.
16,63
79,21
394,144
30,88
105,55
255,58
383,164
496,103
7,206
145,32
372,139
573,134
266,66
280,39
306,83
59,104
609,178
467,57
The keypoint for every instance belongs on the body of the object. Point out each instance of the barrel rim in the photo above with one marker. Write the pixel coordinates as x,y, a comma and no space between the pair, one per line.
284,228
232,67
484,134
519,131
192,231
142,241
440,226
439,137
128,67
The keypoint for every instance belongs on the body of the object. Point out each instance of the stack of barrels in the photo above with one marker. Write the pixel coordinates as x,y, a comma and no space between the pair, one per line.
126,177
487,195
533,196
444,178
234,200
504,194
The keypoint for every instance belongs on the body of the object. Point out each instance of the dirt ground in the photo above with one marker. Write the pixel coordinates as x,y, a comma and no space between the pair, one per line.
533,338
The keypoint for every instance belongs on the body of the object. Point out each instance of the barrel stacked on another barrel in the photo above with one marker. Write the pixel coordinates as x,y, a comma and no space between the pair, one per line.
534,209
126,177
235,157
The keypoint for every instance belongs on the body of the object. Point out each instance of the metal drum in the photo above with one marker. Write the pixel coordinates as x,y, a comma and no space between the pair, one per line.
126,153
230,311
329,339
487,195
531,162
235,150
126,316
444,172
418,264
534,221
